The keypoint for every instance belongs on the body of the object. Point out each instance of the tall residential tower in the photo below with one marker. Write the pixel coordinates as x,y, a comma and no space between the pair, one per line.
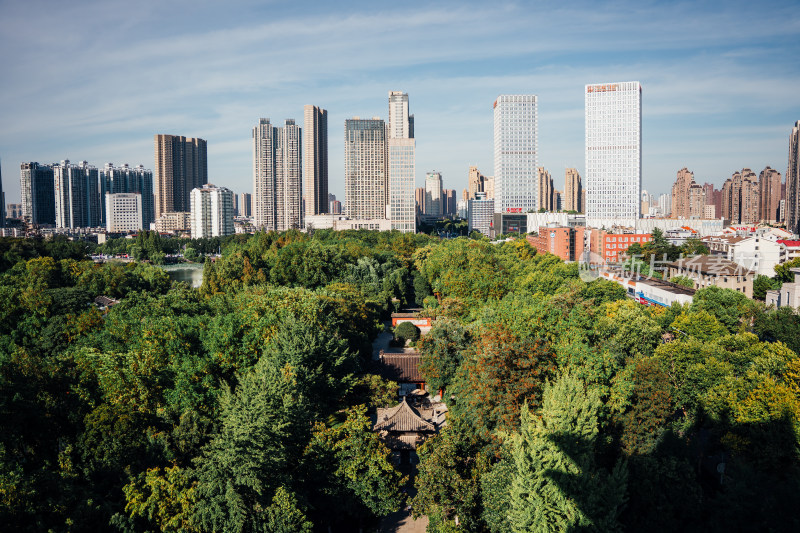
365,180
277,176
793,181
315,159
181,165
613,151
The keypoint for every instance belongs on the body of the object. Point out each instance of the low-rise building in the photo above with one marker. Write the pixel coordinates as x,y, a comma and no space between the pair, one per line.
610,246
174,222
788,295
649,291
405,427
708,270
753,253
566,243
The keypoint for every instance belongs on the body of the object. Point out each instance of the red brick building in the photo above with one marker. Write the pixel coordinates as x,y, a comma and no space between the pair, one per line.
566,243
611,246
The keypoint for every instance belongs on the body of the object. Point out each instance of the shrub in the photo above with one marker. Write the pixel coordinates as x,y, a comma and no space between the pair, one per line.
406,331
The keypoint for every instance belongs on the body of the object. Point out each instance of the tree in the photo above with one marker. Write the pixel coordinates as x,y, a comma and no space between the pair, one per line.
727,305
783,271
442,350
683,281
762,284
557,485
352,472
285,515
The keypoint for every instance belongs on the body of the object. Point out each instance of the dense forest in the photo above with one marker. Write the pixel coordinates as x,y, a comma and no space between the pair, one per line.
243,406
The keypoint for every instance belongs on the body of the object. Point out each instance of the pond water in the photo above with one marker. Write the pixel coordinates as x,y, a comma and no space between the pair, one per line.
191,273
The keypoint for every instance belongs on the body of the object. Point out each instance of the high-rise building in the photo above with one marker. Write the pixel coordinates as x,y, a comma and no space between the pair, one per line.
365,187
277,176
315,159
123,212
614,151
181,166
688,197
401,165
433,194
573,191
77,195
246,204
515,153
125,179
665,204
419,200
792,204
450,202
38,194
401,209
488,187
236,211
212,212
476,182
740,198
401,124
546,190
769,192
2,200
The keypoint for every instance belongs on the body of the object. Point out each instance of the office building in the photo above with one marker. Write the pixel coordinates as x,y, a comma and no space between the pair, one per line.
401,209
433,194
546,190
515,154
365,183
212,212
573,191
77,195
315,159
401,165
613,151
792,204
125,179
769,192
181,166
123,212
277,176
38,194
401,124
336,207
246,204
480,215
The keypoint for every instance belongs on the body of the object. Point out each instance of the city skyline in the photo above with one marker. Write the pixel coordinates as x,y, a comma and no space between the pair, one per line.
736,114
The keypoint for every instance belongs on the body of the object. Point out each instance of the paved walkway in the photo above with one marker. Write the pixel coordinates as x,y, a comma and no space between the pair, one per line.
403,522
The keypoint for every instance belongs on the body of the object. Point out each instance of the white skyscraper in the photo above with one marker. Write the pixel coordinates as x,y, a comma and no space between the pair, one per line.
401,162
277,176
516,188
212,212
613,152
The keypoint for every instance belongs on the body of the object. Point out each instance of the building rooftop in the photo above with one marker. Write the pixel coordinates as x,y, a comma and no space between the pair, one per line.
402,418
711,264
402,367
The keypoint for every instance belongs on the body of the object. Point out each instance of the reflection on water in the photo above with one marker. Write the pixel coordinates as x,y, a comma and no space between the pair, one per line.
191,273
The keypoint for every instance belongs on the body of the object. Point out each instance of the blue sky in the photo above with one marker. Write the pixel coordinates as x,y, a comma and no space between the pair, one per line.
97,80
